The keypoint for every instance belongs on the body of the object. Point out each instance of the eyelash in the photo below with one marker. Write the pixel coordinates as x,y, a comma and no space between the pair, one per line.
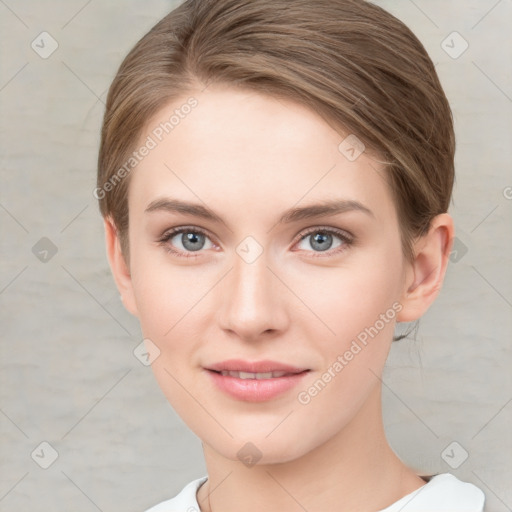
344,236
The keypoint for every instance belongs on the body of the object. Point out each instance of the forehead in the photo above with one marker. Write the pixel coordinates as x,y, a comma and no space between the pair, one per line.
244,147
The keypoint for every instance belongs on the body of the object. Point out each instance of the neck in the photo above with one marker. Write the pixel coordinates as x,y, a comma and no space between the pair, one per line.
355,470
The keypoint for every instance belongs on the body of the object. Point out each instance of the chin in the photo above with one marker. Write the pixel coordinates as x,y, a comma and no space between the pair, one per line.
258,449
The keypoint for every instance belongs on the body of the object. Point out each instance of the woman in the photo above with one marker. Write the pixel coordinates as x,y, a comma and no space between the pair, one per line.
275,179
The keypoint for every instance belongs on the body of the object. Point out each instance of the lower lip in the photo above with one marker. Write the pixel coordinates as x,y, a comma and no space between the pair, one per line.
255,390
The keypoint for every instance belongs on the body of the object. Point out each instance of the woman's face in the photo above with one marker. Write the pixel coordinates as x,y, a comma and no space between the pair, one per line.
265,276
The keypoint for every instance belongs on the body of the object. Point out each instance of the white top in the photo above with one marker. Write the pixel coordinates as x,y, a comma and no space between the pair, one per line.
443,493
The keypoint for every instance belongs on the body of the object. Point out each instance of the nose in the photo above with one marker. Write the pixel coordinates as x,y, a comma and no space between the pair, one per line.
252,300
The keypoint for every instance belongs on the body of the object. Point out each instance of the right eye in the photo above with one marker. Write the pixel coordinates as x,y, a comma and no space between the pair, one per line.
184,241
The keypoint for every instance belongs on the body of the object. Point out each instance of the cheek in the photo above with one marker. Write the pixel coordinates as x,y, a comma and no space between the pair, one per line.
362,316
172,302
348,299
358,306
167,300
164,292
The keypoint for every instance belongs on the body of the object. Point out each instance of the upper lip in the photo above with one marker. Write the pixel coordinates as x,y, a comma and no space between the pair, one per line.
238,365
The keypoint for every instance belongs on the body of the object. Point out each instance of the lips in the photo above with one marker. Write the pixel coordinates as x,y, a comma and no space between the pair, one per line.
257,381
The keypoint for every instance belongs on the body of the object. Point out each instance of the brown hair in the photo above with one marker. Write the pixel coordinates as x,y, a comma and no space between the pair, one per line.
350,61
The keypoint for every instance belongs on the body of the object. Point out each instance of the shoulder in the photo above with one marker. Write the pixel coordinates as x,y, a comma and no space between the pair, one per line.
443,492
185,501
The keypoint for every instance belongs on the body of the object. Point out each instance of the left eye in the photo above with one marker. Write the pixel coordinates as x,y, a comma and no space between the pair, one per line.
322,240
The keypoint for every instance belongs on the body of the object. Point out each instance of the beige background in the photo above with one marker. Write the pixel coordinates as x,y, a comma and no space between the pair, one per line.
69,376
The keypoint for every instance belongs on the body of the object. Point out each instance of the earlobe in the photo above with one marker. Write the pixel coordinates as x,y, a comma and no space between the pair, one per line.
119,267
425,275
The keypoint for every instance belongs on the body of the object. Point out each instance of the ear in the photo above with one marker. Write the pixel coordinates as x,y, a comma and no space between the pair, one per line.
425,275
120,269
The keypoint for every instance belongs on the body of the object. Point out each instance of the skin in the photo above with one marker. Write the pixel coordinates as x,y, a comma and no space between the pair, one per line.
249,157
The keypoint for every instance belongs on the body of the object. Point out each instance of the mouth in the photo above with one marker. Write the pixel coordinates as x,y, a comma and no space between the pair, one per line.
255,382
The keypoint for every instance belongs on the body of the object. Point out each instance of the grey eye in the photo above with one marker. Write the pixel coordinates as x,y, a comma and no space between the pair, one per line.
321,241
189,241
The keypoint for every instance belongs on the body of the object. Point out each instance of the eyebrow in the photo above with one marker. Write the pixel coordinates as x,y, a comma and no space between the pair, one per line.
325,208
